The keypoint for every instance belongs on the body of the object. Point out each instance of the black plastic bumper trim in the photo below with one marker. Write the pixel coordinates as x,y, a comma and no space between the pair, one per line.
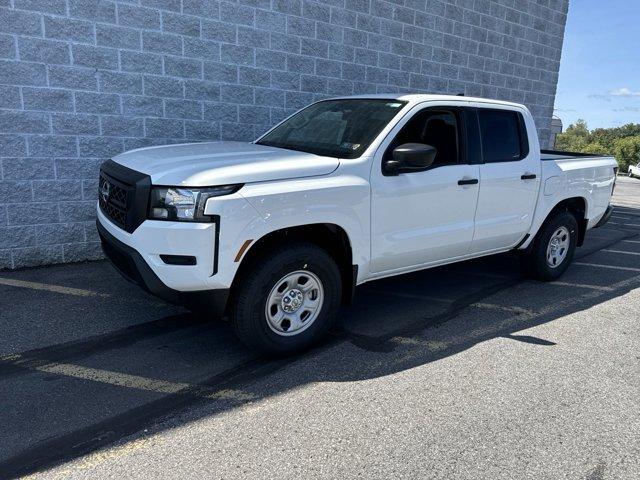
216,220
130,264
187,260
521,242
605,218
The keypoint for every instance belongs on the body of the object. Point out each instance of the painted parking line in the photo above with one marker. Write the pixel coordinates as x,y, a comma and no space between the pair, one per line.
78,292
483,305
412,296
625,224
112,454
137,382
620,251
626,216
417,344
626,211
503,308
613,267
488,275
582,285
432,345
632,241
113,378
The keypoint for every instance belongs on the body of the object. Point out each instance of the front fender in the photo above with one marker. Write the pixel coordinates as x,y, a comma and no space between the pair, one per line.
339,200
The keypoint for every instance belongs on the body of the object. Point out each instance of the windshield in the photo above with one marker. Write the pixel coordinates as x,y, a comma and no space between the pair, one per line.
334,128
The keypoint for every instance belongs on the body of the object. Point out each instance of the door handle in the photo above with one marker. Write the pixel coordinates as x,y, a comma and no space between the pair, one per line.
468,181
528,176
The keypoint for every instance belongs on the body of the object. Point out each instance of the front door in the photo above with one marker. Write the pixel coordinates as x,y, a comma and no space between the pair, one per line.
424,217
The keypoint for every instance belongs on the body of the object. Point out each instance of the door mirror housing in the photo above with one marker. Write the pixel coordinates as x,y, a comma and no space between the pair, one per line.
410,157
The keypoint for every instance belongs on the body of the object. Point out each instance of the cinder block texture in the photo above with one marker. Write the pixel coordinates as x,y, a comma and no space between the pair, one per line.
82,80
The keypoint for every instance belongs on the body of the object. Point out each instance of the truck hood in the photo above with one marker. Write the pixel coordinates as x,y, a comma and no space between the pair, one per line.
223,163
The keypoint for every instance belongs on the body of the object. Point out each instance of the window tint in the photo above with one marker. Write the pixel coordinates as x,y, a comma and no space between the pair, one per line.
432,127
336,128
501,138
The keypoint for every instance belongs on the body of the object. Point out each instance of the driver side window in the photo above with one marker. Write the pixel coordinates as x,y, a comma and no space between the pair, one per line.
435,127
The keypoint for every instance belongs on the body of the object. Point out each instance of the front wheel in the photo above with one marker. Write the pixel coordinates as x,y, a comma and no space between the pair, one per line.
553,247
287,299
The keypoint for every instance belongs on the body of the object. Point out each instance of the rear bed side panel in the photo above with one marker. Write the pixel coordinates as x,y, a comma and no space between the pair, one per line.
589,178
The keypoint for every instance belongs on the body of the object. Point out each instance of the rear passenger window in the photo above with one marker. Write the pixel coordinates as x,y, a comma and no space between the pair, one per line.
503,136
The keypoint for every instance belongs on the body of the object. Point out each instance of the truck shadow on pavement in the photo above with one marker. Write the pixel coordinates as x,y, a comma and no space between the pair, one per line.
66,400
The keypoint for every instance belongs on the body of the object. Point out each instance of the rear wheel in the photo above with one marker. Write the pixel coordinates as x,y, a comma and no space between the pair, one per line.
287,299
553,247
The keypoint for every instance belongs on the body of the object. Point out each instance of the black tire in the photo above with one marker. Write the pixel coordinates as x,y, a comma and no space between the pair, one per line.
248,317
535,261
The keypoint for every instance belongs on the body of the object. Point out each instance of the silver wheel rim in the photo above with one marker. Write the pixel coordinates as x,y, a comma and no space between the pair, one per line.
558,247
294,303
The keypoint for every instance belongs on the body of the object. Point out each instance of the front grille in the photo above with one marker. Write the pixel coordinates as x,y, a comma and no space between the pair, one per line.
113,200
123,195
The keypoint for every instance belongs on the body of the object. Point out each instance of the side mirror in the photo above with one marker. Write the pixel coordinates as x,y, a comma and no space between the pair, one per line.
410,157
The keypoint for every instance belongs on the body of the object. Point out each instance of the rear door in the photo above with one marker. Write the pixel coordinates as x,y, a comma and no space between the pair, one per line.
509,178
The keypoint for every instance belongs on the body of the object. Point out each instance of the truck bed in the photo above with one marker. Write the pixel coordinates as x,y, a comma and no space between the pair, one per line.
584,175
561,155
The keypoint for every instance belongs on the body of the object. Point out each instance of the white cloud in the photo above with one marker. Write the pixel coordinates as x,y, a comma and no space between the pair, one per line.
598,96
627,109
624,92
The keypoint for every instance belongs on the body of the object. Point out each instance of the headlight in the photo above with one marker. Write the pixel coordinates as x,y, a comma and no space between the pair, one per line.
184,204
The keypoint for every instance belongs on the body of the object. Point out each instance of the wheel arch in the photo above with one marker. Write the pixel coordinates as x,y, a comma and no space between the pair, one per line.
577,206
329,236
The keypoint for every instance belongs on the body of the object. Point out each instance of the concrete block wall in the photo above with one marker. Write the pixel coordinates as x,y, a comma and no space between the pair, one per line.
82,80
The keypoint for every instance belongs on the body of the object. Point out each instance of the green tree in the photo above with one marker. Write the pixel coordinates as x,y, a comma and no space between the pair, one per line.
575,138
623,142
596,148
608,136
627,152
578,129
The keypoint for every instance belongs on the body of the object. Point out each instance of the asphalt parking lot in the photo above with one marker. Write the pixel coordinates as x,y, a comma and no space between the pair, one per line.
464,371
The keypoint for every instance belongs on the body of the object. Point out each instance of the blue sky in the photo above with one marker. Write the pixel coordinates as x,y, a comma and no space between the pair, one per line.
600,67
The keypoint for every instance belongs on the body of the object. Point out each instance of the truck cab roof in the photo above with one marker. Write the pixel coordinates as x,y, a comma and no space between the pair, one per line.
414,98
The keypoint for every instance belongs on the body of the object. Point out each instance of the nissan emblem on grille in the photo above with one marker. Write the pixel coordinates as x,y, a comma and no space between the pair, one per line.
104,190
113,201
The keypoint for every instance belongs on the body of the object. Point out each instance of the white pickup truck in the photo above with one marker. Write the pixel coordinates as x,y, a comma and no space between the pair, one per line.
277,233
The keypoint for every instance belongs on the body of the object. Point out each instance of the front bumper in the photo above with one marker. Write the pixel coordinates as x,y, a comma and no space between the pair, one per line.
154,239
133,267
